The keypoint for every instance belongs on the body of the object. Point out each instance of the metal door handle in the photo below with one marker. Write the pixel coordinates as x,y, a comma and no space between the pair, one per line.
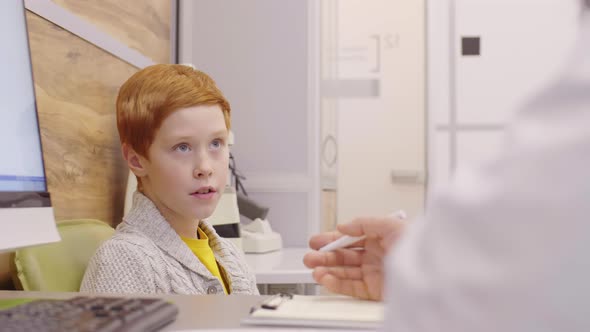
407,177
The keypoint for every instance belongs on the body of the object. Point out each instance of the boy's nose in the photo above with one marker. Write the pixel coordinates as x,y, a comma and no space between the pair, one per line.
203,170
200,172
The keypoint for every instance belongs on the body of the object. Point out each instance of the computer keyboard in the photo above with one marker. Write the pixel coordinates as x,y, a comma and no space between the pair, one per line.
108,314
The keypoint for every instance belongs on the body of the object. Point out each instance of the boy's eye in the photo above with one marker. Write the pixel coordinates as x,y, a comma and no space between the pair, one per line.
216,144
183,147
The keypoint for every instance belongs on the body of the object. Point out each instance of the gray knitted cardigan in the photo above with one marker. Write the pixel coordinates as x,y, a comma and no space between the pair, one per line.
146,256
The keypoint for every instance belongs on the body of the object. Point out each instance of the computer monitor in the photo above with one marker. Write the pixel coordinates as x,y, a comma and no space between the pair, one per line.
26,215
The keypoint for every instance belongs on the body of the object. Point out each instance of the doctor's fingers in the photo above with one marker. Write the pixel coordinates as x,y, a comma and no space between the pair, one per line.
339,257
379,227
347,281
319,240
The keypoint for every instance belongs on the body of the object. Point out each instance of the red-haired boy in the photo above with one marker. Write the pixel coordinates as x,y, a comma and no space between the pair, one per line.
173,123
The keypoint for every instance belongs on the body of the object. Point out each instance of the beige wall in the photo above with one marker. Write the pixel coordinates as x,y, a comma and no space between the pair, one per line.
76,85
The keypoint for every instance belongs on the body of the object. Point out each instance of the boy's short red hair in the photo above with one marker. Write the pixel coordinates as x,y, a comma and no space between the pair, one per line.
155,92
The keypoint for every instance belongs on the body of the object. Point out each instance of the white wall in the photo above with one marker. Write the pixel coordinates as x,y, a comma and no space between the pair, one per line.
263,55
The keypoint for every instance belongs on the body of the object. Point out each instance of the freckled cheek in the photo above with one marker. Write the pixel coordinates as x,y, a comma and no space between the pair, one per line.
221,164
222,172
175,171
221,159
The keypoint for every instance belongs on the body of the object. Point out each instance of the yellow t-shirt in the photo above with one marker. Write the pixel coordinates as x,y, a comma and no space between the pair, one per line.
200,247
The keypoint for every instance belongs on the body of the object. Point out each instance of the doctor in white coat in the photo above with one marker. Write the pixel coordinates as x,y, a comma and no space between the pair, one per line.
506,248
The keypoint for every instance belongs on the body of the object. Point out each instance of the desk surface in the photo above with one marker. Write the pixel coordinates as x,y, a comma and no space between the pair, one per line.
196,311
284,266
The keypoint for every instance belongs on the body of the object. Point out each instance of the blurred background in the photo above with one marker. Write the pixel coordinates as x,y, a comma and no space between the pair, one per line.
345,108
341,108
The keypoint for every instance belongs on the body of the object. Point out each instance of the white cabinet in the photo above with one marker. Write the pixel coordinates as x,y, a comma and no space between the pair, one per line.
375,72
522,46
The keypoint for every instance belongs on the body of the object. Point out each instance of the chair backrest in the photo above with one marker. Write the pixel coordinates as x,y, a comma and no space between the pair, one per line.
60,266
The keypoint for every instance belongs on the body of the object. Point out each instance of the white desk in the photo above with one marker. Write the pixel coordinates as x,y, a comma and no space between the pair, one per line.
196,312
281,267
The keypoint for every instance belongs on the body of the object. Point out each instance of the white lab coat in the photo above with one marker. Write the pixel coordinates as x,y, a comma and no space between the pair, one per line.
507,248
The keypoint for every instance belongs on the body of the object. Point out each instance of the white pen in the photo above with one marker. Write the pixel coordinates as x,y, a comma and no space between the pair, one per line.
347,240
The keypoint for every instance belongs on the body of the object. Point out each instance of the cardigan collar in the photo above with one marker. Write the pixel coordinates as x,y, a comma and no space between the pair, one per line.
145,218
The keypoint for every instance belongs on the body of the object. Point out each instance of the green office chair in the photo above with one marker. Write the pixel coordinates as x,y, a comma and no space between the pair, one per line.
60,266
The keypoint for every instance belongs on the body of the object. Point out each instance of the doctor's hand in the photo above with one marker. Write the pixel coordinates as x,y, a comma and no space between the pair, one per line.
357,272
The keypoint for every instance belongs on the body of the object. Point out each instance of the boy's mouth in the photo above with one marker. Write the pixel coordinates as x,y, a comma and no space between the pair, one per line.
204,192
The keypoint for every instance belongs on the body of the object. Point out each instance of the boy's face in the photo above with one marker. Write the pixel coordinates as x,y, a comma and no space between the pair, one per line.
188,163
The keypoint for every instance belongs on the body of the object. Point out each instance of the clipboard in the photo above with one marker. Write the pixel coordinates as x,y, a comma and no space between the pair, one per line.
332,311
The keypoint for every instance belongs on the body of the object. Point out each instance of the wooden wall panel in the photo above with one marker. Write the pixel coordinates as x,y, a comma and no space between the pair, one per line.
76,85
142,25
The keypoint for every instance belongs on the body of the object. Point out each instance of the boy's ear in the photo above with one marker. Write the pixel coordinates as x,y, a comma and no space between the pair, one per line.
134,161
